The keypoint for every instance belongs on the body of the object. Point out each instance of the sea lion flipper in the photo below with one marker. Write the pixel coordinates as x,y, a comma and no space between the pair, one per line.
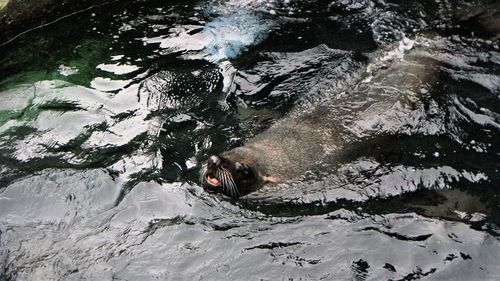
272,179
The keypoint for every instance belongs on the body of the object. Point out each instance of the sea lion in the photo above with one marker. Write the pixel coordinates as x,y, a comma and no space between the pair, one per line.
298,142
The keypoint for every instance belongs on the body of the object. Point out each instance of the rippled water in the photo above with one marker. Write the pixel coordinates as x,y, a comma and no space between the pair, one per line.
107,116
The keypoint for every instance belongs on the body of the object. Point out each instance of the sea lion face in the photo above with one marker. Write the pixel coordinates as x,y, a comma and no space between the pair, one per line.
232,178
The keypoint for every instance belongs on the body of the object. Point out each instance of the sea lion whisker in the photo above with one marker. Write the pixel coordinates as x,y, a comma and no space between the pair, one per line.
203,173
218,175
224,179
230,188
228,183
236,191
231,184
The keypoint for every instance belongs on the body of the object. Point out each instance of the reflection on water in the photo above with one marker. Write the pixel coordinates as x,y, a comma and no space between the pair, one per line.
107,116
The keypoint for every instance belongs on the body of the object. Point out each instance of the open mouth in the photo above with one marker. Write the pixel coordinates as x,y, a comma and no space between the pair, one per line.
213,180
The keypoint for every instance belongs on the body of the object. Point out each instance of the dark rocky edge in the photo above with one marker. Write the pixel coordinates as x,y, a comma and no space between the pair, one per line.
20,15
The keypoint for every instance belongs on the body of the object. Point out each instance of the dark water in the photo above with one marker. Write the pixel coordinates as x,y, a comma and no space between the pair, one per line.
107,116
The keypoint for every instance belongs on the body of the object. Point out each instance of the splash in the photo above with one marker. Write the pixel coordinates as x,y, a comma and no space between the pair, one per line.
219,41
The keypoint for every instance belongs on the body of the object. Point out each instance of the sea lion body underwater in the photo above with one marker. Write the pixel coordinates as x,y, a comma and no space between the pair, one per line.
298,142
294,144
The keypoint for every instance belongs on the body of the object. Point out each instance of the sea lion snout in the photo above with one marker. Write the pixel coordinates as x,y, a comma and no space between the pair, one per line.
217,175
212,173
214,161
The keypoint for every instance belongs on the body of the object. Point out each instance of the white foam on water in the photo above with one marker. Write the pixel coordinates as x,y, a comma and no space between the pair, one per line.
223,38
239,26
395,52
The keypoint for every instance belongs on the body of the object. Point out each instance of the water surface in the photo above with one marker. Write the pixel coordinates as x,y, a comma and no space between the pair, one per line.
107,116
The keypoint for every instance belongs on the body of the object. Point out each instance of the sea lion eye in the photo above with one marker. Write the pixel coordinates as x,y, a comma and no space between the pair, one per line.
241,168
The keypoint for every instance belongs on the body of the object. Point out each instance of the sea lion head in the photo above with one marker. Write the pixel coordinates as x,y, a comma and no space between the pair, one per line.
229,176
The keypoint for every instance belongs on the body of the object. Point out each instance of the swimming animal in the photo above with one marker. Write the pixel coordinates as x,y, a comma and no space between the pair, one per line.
298,142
